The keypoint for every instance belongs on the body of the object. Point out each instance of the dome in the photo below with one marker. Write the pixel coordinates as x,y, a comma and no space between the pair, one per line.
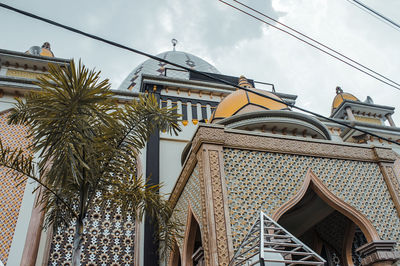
341,97
43,51
153,67
242,101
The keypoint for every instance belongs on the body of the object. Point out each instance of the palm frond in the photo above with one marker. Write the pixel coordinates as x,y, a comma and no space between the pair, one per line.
88,143
23,167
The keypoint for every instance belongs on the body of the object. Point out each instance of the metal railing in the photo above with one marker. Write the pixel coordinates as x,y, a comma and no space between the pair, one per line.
268,243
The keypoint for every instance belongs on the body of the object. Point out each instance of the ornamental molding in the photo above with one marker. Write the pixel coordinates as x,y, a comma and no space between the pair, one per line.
392,181
205,233
214,134
219,207
188,236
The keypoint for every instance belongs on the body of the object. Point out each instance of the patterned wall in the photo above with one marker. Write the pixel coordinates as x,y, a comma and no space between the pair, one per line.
191,195
264,181
109,239
10,195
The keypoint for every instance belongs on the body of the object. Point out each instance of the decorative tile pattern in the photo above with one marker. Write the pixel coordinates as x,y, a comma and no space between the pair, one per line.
108,239
205,229
264,181
11,195
190,195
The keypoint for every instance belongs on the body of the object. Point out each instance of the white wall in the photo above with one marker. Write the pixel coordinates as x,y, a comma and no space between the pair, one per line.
170,163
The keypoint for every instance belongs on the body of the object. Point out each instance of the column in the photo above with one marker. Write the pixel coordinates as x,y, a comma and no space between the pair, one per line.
379,253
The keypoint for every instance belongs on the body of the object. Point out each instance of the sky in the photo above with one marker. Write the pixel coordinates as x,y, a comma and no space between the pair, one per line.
233,42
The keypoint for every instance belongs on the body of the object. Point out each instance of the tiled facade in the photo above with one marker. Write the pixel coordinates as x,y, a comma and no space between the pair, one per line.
191,196
12,190
263,181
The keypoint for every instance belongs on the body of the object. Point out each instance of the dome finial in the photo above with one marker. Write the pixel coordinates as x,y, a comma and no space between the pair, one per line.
174,42
44,50
243,82
339,90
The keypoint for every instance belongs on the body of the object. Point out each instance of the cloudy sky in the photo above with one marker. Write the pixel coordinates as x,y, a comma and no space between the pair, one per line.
235,43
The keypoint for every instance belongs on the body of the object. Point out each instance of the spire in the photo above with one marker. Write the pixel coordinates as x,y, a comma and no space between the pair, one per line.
339,90
174,42
243,82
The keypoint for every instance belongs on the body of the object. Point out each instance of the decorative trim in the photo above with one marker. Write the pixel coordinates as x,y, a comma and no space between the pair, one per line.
217,247
32,240
226,206
203,209
212,257
188,238
219,207
171,260
136,253
47,249
136,259
379,253
216,134
393,183
332,200
348,244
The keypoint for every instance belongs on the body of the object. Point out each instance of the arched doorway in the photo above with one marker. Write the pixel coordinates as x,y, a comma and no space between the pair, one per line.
193,247
325,229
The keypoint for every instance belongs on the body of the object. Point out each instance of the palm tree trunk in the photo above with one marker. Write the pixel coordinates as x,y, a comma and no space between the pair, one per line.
78,239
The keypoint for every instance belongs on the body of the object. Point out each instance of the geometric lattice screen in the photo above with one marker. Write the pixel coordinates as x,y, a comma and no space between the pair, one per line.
109,239
268,243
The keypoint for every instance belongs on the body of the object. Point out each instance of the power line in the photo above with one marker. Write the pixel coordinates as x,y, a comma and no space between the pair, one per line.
372,14
376,14
112,43
318,48
315,41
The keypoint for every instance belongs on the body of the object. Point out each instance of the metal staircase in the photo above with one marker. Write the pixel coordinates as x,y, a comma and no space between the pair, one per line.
270,244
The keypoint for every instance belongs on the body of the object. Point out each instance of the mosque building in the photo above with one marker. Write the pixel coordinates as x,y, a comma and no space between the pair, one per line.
244,170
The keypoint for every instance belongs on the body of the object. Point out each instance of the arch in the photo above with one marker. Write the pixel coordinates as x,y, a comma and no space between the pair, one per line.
332,200
192,232
348,243
175,256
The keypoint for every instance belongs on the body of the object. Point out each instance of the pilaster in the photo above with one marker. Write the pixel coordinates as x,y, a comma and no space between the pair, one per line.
379,253
392,180
218,224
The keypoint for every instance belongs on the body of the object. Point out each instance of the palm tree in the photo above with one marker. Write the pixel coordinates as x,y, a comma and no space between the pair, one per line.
88,143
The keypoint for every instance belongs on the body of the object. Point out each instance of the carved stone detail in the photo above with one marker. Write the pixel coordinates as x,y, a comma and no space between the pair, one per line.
219,212
254,141
203,211
384,154
379,253
393,183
